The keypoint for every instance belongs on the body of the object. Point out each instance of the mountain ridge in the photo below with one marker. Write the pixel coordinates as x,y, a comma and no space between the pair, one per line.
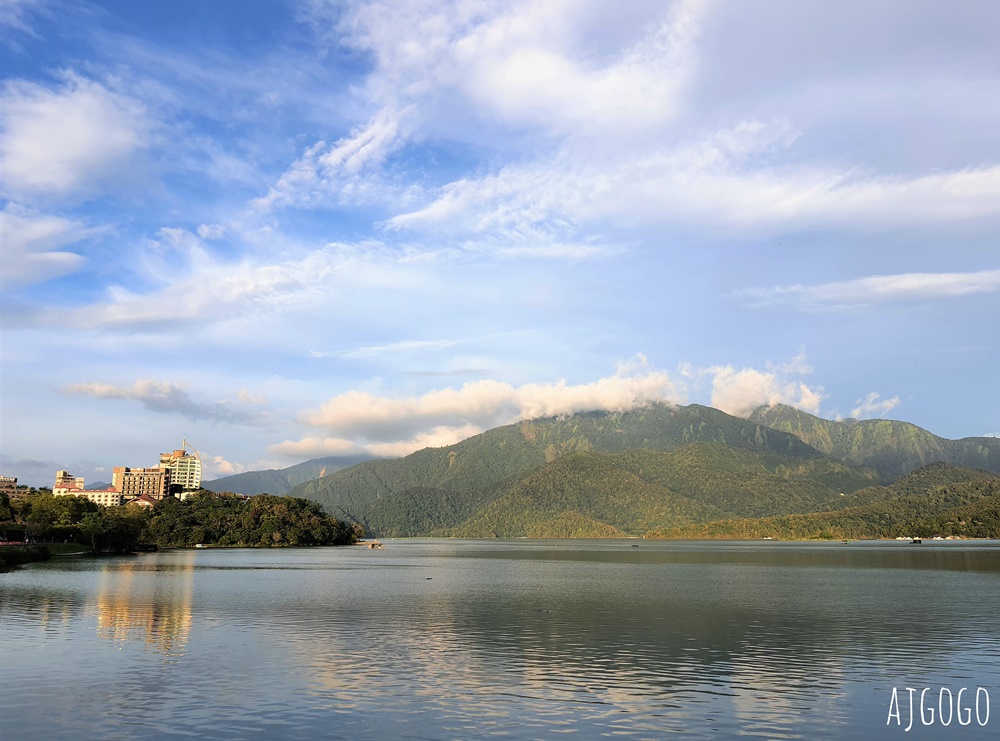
891,447
282,480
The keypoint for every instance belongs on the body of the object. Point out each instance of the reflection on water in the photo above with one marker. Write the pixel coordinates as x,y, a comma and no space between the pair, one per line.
153,604
446,639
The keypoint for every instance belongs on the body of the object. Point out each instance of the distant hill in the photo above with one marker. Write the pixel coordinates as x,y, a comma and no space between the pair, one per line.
937,500
602,473
280,481
507,452
587,494
890,447
659,469
96,485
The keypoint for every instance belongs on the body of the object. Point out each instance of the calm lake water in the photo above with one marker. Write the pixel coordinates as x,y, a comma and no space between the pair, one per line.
443,639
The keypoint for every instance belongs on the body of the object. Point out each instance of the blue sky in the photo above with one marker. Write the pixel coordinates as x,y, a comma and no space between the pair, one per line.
287,230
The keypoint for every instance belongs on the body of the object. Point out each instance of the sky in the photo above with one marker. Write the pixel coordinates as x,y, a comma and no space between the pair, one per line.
286,230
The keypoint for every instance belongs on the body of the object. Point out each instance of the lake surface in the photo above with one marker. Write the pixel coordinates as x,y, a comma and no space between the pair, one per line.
444,639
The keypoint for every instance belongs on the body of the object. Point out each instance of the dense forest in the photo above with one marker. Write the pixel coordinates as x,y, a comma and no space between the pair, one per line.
935,501
653,468
206,517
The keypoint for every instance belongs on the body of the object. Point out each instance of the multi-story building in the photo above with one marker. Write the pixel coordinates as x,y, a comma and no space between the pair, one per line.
72,486
105,497
8,485
66,482
134,482
185,469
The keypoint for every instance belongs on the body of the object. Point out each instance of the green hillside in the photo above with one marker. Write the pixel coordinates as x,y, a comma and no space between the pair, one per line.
587,494
505,453
279,481
890,447
939,500
582,495
745,483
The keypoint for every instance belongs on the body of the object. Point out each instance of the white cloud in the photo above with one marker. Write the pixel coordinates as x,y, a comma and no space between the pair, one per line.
213,290
211,231
249,398
396,426
215,466
458,66
166,397
346,172
876,289
739,392
410,346
715,182
69,142
31,245
594,100
486,404
872,406
14,16
314,447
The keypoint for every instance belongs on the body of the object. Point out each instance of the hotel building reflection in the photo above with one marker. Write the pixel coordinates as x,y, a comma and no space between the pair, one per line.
153,605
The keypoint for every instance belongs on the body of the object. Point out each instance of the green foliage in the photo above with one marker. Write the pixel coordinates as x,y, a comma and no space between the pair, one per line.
939,500
206,517
581,492
650,469
227,519
113,529
892,448
13,556
475,471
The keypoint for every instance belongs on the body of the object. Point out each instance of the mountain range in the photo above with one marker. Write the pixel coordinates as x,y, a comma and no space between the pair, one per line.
279,481
890,447
645,471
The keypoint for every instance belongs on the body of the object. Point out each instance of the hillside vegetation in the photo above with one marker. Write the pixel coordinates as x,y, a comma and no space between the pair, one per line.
655,469
890,447
938,500
477,470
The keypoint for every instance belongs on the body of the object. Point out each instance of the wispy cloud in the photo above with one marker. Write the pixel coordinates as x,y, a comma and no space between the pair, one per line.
165,397
875,289
404,346
411,346
14,16
874,406
32,245
213,290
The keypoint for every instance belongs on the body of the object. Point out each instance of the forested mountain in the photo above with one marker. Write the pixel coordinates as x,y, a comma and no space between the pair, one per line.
478,463
588,494
890,447
279,481
653,469
937,500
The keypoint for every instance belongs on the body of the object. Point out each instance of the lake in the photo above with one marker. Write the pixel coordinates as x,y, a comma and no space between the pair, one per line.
452,639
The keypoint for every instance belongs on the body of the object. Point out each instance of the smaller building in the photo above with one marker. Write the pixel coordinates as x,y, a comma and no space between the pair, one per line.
66,483
105,497
72,486
8,485
142,501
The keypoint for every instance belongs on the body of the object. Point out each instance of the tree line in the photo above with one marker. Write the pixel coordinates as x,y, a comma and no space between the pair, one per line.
205,517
